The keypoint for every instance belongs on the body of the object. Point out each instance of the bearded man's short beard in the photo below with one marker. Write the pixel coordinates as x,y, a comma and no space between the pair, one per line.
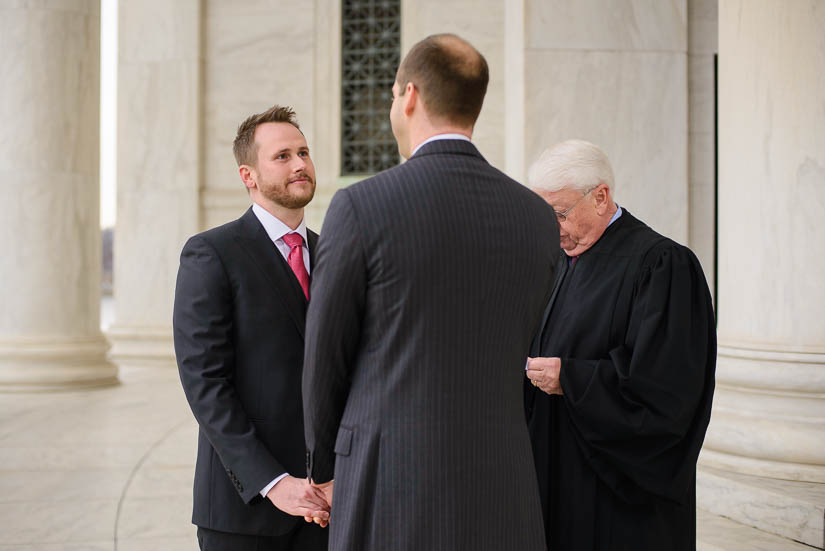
286,200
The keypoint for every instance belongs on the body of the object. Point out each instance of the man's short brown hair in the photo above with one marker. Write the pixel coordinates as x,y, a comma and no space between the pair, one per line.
244,148
451,76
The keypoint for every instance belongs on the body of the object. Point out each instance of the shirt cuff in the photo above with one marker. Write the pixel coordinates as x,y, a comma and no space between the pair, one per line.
271,485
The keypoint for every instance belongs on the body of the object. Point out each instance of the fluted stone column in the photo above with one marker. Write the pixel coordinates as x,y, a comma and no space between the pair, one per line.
49,197
769,412
158,172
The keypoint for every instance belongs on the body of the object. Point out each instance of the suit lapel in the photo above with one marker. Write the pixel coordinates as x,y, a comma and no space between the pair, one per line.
253,239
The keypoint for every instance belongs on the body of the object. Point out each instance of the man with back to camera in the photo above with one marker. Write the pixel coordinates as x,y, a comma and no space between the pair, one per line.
623,378
240,309
429,285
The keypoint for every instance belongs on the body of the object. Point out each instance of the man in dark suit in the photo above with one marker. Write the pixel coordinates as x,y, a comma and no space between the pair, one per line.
429,285
240,310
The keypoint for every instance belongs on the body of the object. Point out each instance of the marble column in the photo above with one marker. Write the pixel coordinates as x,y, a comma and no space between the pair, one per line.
158,171
615,73
514,84
702,46
49,231
769,411
325,133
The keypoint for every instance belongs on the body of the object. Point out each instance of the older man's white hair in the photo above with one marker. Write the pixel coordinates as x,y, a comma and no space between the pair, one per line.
572,164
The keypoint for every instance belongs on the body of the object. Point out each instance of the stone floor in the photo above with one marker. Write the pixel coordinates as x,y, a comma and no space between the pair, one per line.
106,469
111,470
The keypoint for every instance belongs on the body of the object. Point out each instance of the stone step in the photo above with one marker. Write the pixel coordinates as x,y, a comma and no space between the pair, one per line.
715,533
789,509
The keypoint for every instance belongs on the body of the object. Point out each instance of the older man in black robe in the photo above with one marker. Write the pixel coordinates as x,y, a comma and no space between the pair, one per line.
621,376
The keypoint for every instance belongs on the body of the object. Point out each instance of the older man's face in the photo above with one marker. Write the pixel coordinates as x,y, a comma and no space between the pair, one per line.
581,226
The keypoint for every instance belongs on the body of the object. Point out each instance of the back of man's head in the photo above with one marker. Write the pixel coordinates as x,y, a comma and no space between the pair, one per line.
450,75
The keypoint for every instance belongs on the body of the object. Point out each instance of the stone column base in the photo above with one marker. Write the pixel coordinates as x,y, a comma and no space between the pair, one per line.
33,364
781,470
141,346
768,413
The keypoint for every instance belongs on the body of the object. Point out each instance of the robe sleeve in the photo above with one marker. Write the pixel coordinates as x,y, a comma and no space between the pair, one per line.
640,414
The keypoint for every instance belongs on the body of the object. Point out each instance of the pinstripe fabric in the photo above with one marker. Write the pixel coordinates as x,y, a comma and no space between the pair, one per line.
429,284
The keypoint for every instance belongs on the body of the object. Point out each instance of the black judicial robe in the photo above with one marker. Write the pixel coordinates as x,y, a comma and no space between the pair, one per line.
633,324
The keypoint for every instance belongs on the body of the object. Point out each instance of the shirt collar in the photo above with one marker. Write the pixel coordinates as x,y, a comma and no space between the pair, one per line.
440,137
276,229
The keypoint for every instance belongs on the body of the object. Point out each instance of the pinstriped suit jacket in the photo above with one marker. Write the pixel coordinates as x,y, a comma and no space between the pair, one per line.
430,282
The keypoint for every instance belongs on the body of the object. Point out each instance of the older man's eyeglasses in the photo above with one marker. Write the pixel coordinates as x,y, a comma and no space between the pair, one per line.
562,216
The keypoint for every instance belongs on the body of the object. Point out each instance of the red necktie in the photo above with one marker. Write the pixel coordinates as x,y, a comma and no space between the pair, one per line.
573,260
296,260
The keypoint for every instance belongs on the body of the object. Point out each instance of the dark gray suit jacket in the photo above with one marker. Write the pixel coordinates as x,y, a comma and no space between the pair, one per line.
430,281
239,340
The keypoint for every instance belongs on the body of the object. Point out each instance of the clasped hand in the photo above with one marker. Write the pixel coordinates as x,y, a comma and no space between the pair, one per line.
544,373
299,497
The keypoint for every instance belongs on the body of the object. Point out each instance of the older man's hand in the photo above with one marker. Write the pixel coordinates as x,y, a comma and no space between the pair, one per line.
544,373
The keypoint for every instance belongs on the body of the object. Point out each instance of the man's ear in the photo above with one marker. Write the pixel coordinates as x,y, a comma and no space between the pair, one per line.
602,196
410,99
248,176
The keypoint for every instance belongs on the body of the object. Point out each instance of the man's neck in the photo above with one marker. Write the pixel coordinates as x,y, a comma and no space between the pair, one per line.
290,217
448,136
611,210
604,219
421,133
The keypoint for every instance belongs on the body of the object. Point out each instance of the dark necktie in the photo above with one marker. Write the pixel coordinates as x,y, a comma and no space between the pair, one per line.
296,260
573,260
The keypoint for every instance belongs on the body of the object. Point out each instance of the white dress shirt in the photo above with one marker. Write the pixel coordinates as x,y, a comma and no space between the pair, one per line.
441,137
276,230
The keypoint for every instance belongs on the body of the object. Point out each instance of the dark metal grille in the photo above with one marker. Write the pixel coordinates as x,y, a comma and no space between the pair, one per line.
370,53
